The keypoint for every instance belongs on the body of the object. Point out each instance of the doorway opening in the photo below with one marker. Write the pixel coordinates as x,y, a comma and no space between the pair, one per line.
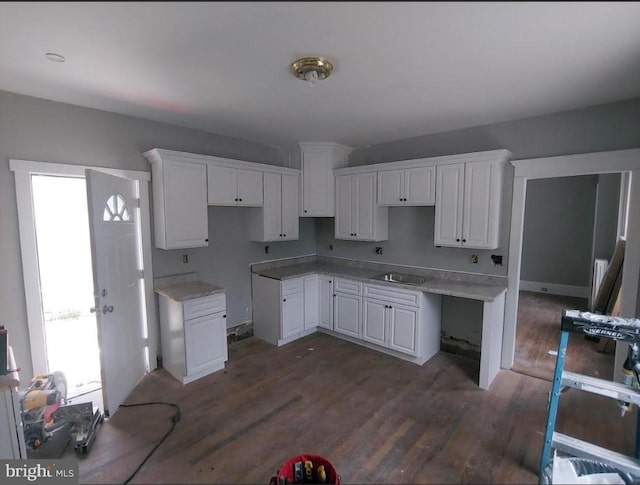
569,223
66,282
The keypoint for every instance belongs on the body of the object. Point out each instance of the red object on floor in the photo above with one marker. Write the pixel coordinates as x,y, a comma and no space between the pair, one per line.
286,470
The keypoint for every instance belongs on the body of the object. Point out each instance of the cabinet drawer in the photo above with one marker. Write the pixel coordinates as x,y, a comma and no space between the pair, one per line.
203,306
292,286
347,286
403,297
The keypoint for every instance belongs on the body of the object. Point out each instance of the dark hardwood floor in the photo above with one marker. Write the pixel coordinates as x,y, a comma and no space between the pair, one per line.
538,332
376,418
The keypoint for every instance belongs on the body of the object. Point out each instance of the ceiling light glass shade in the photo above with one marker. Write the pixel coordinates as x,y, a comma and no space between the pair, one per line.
311,77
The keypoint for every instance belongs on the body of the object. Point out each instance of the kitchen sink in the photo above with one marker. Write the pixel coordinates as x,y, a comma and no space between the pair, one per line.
407,279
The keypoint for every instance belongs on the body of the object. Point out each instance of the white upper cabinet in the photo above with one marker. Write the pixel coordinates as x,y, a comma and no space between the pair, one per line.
468,203
278,218
233,186
179,203
358,216
318,162
408,187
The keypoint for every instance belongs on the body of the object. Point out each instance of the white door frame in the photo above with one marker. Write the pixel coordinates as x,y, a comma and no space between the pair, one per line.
568,166
23,169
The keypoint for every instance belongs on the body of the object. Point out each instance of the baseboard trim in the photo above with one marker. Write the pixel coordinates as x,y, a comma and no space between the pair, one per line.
555,289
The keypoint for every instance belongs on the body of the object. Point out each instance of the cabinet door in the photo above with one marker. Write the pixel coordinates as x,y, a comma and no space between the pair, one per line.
185,205
290,202
374,321
347,316
366,202
403,329
205,342
420,186
449,198
272,207
317,184
292,314
222,185
249,188
311,302
477,219
344,209
326,302
391,187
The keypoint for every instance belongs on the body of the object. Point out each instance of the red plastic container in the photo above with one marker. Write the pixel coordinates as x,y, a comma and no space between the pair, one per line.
286,470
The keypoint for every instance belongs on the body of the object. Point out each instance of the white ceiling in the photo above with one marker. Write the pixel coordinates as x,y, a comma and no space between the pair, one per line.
401,69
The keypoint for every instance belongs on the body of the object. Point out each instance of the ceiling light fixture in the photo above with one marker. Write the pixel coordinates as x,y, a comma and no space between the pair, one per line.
52,56
311,69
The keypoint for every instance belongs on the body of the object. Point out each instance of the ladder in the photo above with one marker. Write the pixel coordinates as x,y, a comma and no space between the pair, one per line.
617,328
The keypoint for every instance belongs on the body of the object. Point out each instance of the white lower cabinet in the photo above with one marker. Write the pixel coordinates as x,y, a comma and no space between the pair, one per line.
286,310
397,321
402,320
325,302
347,307
193,336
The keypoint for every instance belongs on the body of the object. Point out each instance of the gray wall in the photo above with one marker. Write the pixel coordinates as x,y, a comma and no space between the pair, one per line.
39,130
558,230
612,126
226,261
606,225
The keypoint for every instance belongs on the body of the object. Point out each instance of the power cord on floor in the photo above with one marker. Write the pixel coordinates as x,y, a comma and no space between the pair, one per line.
174,419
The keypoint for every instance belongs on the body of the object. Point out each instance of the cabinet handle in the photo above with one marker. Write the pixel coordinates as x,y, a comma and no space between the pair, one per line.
284,299
464,240
240,200
236,199
305,212
284,235
206,240
334,295
224,316
458,240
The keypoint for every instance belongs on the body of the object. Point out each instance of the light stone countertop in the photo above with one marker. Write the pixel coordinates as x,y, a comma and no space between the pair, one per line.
472,286
183,287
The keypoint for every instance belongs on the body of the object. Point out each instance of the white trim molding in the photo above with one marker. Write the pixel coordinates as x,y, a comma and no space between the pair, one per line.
23,170
568,166
555,289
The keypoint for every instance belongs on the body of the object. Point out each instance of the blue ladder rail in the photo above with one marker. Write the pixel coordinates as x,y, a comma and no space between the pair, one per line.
617,328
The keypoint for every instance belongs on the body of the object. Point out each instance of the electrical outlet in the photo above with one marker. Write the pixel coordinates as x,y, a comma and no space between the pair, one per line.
474,258
378,250
266,249
185,259
330,247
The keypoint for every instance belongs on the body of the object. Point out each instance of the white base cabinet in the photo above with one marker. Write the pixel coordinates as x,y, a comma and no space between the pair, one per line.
325,302
193,336
284,311
402,320
347,307
402,323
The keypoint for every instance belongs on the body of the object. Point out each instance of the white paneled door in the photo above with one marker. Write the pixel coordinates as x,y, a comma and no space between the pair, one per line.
117,273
